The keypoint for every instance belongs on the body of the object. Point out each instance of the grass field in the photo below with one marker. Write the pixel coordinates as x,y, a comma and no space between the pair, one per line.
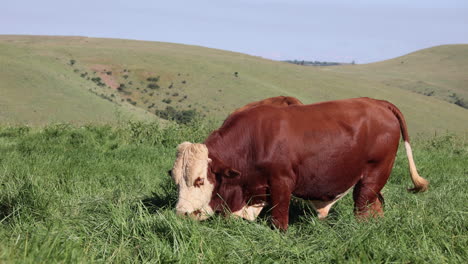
40,85
101,194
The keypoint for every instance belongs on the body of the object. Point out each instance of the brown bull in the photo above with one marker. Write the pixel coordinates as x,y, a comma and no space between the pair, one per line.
317,152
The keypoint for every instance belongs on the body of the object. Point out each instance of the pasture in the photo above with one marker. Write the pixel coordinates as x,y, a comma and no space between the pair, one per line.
101,194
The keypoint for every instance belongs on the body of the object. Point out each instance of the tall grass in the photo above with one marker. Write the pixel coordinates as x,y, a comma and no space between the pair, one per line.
102,194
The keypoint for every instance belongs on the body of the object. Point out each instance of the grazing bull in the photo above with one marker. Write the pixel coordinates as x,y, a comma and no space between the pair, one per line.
317,152
278,100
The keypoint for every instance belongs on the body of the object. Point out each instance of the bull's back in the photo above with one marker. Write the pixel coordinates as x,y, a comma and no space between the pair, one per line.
276,101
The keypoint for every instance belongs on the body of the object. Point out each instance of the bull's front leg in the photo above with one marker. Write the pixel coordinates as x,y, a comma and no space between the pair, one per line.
280,196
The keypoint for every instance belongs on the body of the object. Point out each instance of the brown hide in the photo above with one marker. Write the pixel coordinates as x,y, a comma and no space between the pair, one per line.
315,152
278,100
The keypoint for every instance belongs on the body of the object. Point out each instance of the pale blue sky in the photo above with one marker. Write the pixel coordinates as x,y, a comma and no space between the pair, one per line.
342,30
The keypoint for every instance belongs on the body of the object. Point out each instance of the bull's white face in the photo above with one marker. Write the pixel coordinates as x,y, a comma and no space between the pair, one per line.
190,174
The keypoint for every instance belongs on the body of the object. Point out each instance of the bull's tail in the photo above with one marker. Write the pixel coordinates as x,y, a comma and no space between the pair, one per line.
420,184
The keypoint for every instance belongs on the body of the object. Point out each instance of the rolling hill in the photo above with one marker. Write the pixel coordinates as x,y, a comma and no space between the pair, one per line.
36,88
440,72
81,80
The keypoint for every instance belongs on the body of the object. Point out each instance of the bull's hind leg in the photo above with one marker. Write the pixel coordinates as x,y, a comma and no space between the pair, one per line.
368,199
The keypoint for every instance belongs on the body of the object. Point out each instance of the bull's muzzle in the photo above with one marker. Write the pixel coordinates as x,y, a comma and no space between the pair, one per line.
195,215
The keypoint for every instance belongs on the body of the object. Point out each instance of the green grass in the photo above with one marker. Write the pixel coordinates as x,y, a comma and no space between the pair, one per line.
39,86
101,194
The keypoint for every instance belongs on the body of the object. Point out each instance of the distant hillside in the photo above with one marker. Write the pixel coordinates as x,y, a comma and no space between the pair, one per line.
38,87
79,79
440,72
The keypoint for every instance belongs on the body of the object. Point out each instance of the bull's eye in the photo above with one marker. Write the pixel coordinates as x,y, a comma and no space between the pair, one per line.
169,172
198,182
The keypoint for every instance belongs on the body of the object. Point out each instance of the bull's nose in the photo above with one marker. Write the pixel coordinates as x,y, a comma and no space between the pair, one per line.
195,215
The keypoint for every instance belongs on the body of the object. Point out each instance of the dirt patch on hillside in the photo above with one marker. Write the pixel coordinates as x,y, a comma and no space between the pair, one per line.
101,71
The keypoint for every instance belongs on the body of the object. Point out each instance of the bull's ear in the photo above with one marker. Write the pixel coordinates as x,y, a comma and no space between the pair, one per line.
218,167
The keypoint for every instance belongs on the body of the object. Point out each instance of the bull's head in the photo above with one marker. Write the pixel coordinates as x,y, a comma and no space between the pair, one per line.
190,175
195,175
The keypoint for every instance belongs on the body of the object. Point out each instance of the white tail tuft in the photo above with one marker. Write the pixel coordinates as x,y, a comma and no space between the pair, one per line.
420,184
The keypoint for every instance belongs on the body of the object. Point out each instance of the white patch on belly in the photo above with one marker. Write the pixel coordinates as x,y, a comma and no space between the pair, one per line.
322,208
249,212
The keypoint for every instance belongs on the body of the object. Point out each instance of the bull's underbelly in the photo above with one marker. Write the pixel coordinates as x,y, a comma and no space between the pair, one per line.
326,188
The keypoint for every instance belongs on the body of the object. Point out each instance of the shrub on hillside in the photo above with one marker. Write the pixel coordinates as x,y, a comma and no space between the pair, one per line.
153,79
459,101
180,116
97,80
183,98
430,93
129,100
121,89
153,86
103,96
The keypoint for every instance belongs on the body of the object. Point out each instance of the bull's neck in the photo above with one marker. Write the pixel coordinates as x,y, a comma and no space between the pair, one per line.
233,150
229,147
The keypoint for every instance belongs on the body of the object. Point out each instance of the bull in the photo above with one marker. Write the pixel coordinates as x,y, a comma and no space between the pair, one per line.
319,152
